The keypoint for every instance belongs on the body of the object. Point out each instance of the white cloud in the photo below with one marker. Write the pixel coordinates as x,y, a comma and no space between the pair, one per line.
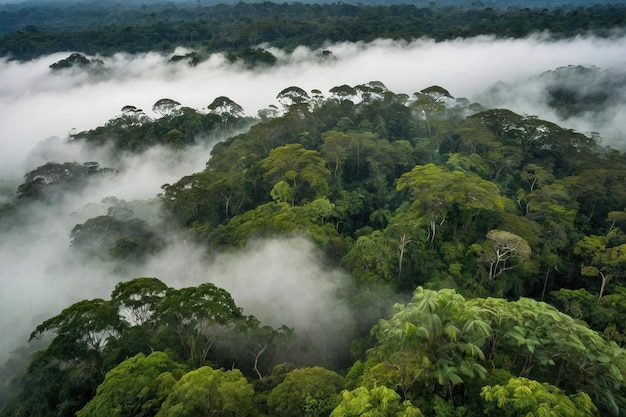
39,275
37,103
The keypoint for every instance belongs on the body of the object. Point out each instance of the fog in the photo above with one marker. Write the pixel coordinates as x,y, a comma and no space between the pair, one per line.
280,281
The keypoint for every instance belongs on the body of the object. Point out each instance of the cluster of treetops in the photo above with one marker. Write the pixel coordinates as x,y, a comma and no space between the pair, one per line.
505,229
32,30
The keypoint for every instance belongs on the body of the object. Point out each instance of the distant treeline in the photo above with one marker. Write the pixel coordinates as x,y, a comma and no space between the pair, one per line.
31,31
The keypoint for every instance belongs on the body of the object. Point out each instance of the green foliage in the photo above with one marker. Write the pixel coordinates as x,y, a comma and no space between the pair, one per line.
522,397
205,392
534,340
44,29
138,299
77,60
435,340
439,342
198,315
363,177
48,182
308,391
136,387
606,315
401,192
379,401
601,258
502,249
177,126
282,219
304,170
88,322
108,236
439,190
92,338
252,58
372,258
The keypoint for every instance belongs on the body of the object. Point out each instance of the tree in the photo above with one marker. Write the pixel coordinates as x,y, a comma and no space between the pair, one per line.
108,236
534,340
304,170
522,397
135,388
260,343
206,392
436,190
372,258
63,378
536,176
166,107
435,340
504,159
138,299
601,259
74,59
89,323
336,149
316,389
430,101
505,246
132,116
377,402
606,315
372,91
293,96
48,182
615,217
279,218
343,92
226,109
198,315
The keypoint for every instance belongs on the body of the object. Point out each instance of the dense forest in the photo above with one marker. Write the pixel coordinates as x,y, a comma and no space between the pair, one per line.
28,32
484,251
505,228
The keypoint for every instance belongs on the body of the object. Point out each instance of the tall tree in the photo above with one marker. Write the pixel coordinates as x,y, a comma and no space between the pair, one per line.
436,340
226,109
208,392
429,101
135,388
304,170
601,259
316,389
522,397
439,189
138,299
504,247
379,402
199,315
89,323
166,107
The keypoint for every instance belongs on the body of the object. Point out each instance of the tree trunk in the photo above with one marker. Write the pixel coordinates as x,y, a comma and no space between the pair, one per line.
401,246
604,280
545,283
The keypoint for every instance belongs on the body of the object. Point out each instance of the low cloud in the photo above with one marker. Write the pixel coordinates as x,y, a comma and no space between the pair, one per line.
278,281
587,99
38,103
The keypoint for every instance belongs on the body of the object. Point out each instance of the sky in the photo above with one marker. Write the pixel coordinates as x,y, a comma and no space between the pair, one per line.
40,275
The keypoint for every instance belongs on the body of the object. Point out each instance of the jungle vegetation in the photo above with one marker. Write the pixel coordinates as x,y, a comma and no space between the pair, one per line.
31,30
504,229
497,238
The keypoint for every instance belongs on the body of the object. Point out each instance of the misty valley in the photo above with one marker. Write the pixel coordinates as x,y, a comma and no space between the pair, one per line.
307,209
